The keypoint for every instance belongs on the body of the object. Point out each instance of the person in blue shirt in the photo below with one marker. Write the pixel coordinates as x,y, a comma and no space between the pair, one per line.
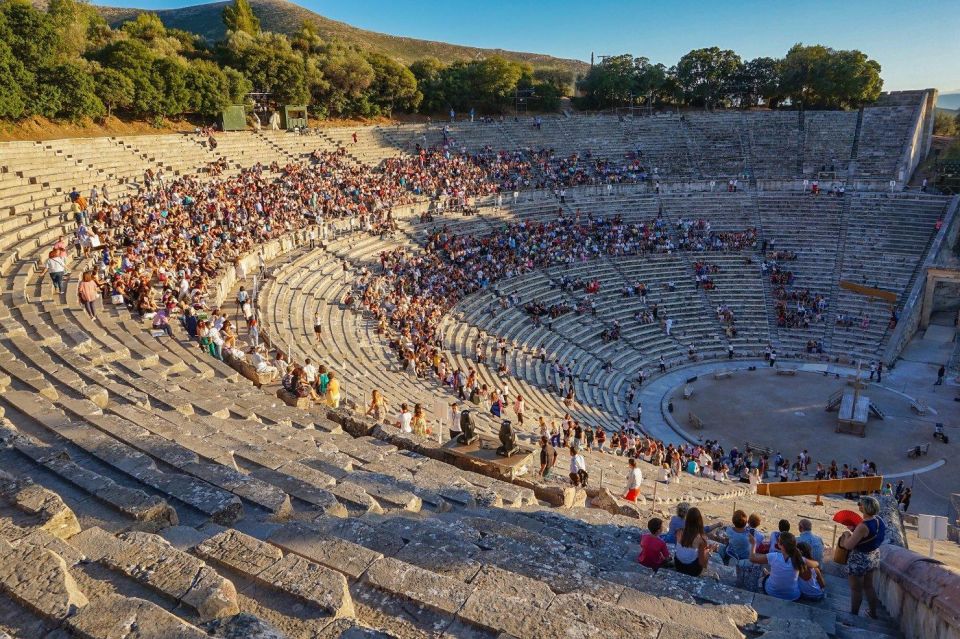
787,567
806,536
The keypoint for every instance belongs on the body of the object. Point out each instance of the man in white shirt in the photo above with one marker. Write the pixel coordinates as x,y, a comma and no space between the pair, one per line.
406,419
578,468
261,365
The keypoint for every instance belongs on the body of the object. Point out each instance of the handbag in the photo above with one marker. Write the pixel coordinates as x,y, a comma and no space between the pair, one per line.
840,555
116,300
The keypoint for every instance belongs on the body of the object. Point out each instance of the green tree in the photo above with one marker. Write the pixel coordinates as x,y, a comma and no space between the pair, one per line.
115,90
705,76
757,81
429,73
169,77
13,80
31,34
68,91
239,16
560,79
819,77
208,87
146,26
270,64
853,79
347,77
238,86
394,86
610,83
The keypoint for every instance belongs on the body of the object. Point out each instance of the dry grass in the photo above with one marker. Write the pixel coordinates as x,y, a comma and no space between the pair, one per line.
38,128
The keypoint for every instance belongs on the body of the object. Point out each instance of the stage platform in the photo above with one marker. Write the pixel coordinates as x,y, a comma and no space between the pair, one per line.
853,414
483,451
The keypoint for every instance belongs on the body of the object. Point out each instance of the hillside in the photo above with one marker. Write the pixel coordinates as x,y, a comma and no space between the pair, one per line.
949,101
285,17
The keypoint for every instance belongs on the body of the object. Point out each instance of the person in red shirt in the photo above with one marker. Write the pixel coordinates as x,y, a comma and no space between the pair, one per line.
653,551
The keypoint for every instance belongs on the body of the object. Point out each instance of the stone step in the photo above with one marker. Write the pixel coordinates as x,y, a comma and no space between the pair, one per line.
131,502
291,574
151,560
221,506
40,580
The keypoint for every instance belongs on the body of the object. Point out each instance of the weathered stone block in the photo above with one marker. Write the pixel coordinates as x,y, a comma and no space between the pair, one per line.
40,580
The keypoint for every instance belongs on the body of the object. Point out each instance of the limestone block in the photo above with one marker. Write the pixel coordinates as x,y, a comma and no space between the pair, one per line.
578,499
40,580
611,619
434,591
356,497
492,611
116,617
239,551
96,394
719,621
515,586
604,500
338,554
312,582
56,516
151,560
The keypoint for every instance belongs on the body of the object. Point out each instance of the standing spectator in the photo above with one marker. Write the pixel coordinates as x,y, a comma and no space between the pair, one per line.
941,372
519,407
333,391
378,406
548,457
634,481
88,292
56,267
904,500
864,546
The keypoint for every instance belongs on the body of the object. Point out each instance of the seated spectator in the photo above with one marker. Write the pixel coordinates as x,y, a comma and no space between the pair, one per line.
693,549
261,365
787,567
737,536
753,525
806,536
653,551
782,526
812,588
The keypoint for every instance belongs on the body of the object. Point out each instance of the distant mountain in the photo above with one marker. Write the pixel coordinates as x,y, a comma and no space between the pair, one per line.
949,100
280,16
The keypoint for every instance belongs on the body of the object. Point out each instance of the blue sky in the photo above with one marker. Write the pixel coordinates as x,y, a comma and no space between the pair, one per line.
917,44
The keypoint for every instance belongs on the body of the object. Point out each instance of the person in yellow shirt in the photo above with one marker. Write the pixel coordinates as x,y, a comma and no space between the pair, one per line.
333,391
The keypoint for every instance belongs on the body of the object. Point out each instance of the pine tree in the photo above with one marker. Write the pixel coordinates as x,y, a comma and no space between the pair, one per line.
239,16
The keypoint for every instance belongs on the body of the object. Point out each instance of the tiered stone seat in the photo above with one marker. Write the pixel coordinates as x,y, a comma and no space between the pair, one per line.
882,140
828,141
875,258
332,532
